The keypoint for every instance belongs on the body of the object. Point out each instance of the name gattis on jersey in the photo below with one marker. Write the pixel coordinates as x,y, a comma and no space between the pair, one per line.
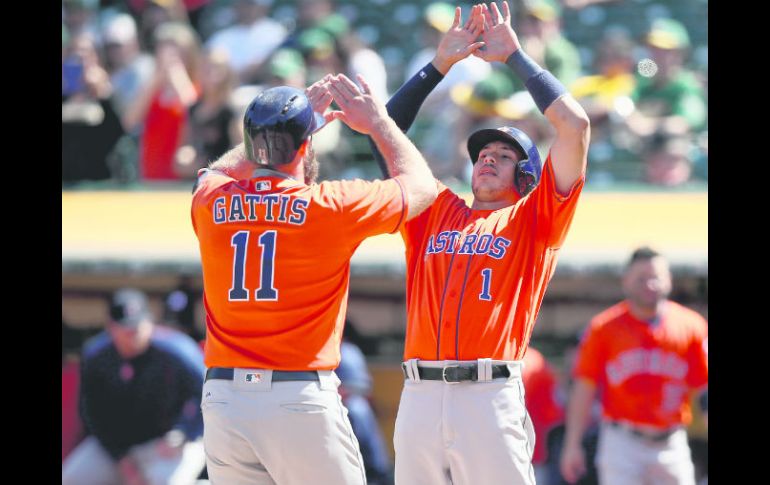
255,207
447,242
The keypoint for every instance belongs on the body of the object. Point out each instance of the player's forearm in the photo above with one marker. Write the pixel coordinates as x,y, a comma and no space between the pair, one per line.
573,130
405,162
578,411
404,105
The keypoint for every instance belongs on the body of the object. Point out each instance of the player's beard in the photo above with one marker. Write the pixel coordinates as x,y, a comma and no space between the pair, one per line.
311,167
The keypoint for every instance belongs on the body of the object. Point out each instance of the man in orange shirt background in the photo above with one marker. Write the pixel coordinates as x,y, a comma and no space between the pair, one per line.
644,357
476,275
275,249
544,405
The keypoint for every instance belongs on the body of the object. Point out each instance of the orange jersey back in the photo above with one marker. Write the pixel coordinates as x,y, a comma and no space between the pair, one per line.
476,278
276,264
645,372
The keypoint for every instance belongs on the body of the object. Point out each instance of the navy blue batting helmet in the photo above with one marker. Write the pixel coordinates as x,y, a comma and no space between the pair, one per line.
276,124
528,169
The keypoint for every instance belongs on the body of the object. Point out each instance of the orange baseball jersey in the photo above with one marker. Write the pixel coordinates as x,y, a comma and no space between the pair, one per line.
644,372
476,278
276,263
543,404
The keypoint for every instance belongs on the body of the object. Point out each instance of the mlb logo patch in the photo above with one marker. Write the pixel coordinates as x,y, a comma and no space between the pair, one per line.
262,185
254,378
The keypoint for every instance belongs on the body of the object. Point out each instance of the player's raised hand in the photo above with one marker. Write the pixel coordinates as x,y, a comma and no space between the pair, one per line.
500,41
319,96
460,41
359,109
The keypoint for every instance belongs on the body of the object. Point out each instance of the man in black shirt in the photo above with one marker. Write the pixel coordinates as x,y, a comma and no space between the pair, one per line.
140,401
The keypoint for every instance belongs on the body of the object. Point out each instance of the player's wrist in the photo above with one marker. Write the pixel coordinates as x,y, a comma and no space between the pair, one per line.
442,64
541,84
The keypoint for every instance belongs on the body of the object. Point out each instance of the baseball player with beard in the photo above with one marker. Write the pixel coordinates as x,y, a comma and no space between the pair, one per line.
275,249
476,275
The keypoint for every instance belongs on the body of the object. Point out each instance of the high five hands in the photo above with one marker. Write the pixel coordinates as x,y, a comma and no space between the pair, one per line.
459,42
498,40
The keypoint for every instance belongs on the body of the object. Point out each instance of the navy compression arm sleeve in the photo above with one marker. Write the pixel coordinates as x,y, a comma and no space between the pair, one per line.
404,105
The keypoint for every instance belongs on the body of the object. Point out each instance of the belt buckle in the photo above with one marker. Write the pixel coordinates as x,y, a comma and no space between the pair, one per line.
443,374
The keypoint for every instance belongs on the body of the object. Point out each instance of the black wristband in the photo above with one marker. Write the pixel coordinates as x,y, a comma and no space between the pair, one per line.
541,84
522,65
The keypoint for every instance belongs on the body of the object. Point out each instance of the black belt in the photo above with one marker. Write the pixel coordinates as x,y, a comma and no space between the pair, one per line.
227,373
456,373
652,436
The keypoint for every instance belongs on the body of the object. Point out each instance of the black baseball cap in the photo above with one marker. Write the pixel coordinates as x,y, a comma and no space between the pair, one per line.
128,307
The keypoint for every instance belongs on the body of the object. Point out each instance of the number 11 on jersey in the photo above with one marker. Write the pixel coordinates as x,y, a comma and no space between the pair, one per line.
266,290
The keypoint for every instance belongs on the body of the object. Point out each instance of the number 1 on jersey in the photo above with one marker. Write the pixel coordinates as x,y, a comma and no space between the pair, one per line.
266,291
486,274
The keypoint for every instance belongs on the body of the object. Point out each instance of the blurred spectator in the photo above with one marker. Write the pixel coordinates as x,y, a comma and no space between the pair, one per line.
80,17
643,357
668,159
579,4
332,145
90,125
71,425
359,58
320,52
250,41
130,68
544,406
140,399
286,67
182,9
609,90
310,13
668,96
355,391
438,18
208,135
163,104
606,97
541,38
154,13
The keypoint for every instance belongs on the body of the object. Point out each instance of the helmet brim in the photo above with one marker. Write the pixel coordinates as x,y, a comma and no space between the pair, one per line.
319,122
481,137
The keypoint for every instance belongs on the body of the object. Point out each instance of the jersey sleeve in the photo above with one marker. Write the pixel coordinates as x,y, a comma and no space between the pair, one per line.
554,211
697,356
589,361
366,208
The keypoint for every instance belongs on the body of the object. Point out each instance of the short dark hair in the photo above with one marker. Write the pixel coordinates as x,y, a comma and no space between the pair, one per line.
644,253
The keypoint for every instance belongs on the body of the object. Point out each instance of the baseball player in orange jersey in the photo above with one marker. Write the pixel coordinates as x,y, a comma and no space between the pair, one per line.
275,249
645,355
476,275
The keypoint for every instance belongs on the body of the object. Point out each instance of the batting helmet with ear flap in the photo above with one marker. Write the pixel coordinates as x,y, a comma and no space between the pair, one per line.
276,124
528,169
